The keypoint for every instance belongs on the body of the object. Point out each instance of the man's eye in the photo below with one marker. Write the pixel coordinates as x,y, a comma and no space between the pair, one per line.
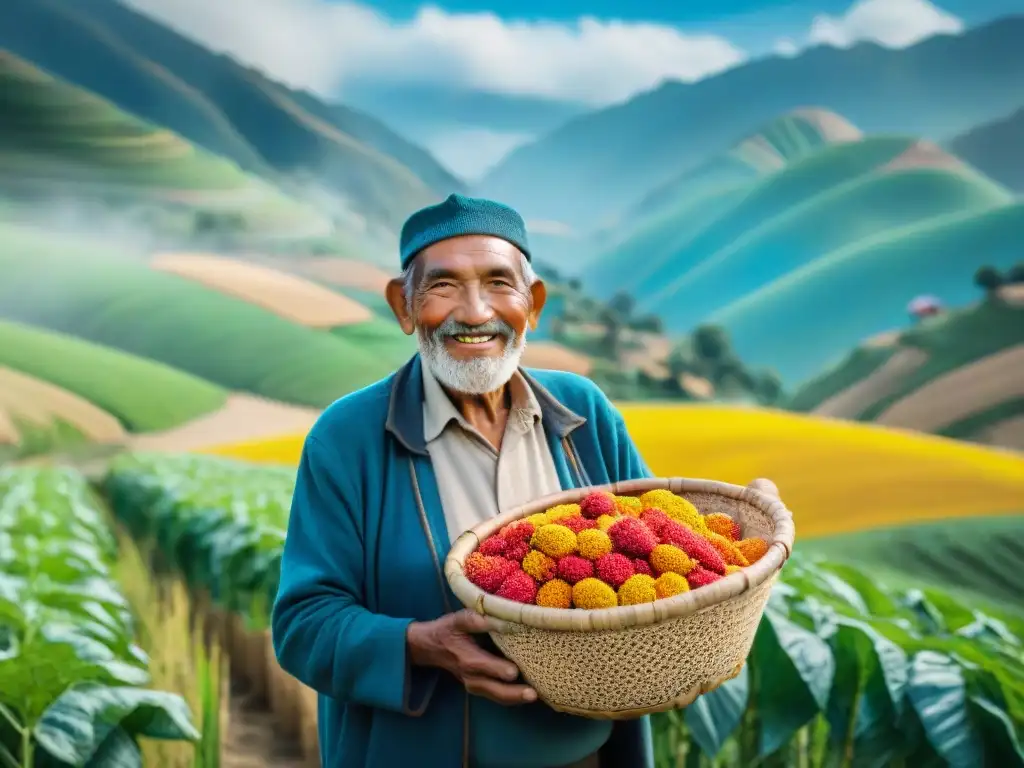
503,283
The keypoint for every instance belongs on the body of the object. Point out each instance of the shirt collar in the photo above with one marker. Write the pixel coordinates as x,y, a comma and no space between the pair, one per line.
439,411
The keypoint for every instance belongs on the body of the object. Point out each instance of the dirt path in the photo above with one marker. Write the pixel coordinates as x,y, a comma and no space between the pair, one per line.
252,741
243,417
869,390
961,393
1008,433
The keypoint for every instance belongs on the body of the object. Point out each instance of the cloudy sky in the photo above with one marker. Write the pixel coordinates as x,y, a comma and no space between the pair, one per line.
471,79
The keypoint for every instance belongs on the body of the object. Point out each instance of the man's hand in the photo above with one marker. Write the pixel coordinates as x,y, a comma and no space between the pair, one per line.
764,485
447,643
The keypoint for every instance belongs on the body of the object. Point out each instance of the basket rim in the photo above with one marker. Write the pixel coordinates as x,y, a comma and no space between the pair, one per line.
509,615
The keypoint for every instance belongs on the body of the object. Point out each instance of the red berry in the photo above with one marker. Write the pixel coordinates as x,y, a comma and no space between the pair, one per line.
642,566
577,524
700,577
518,586
614,568
597,504
495,545
573,568
517,550
631,537
693,544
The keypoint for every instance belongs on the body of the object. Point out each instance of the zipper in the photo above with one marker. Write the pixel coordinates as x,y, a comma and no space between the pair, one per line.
425,523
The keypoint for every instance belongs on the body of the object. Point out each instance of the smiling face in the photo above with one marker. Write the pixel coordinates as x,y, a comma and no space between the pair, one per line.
470,305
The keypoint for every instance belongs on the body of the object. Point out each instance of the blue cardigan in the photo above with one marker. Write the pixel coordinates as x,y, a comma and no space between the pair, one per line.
366,543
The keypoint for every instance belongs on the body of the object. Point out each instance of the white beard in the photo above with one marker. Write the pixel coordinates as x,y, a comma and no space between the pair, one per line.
476,376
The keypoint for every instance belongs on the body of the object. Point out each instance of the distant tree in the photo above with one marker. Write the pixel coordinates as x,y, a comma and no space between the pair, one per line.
988,279
1016,273
574,284
711,342
768,387
647,324
622,304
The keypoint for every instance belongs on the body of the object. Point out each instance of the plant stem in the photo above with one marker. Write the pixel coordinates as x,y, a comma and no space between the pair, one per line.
27,749
6,713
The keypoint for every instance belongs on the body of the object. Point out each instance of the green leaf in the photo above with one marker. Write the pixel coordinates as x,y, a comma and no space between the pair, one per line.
713,717
794,672
1002,746
118,750
75,726
938,693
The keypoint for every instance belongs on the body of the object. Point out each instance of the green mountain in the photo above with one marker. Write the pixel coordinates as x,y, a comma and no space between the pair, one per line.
808,319
997,148
111,297
596,166
58,139
158,75
686,221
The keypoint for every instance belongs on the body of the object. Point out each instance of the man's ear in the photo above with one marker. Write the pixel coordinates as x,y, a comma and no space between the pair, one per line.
395,294
539,293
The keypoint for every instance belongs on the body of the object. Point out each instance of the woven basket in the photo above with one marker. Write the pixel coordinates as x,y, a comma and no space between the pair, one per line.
624,662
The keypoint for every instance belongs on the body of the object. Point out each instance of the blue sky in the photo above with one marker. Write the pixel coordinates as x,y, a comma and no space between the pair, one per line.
472,79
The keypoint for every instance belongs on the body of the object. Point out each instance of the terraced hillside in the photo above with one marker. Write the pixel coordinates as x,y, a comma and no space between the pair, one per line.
58,141
959,374
150,70
114,298
654,229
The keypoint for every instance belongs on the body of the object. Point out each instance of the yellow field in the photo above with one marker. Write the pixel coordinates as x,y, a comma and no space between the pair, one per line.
836,476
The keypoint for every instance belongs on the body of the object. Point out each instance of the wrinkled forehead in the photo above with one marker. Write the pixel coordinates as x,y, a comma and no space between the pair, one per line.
470,257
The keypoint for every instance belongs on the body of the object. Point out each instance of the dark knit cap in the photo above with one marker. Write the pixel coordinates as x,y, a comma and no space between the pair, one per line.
457,216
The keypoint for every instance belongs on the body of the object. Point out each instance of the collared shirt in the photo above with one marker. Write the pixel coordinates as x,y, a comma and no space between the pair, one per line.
475,480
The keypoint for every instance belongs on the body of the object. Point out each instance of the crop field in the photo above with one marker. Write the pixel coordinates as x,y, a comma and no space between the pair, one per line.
834,633
142,394
292,298
115,299
75,686
837,477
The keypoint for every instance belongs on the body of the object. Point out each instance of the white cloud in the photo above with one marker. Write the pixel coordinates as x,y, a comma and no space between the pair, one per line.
322,45
786,46
892,23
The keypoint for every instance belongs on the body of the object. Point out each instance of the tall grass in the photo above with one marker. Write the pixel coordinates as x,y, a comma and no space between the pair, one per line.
185,657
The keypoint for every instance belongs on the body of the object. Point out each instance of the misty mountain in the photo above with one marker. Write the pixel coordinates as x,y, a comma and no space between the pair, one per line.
161,76
599,163
996,148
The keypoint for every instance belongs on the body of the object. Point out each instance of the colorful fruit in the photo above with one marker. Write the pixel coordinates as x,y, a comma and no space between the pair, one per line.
670,584
488,571
668,558
539,566
554,540
631,537
519,587
614,568
693,544
597,504
753,549
592,594
593,544
637,589
723,525
555,594
573,568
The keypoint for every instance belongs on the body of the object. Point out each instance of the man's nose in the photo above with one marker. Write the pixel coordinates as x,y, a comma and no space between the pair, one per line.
474,308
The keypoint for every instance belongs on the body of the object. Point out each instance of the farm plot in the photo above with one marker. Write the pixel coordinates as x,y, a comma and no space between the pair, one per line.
939,681
74,686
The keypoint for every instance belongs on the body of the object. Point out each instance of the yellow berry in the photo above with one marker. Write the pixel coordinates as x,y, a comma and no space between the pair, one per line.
604,522
554,540
670,584
668,558
562,511
538,519
629,505
593,543
637,589
539,566
732,569
592,594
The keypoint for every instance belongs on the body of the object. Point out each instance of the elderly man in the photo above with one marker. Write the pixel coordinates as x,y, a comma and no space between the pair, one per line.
392,474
